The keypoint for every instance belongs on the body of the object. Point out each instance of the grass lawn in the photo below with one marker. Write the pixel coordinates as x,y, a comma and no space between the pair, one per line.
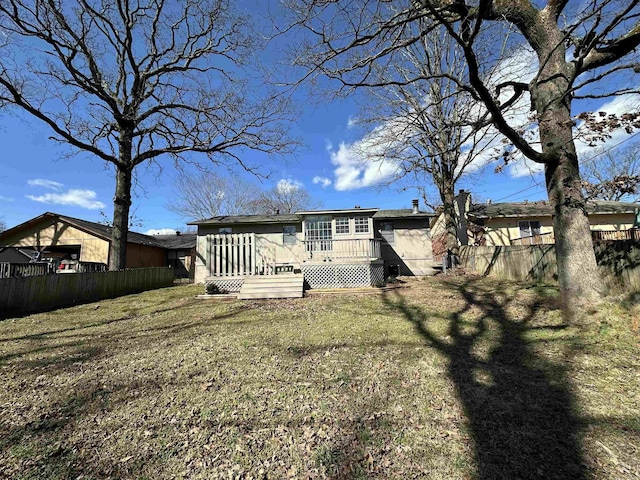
444,378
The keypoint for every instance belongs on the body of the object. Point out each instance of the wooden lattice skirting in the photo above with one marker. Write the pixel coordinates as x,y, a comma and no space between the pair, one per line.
342,275
223,284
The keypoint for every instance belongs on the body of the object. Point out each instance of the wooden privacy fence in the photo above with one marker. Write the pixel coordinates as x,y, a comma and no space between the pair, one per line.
46,292
619,262
231,254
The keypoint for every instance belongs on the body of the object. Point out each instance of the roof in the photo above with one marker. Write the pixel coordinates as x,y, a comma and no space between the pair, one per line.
542,209
401,213
297,217
238,219
343,210
96,229
183,241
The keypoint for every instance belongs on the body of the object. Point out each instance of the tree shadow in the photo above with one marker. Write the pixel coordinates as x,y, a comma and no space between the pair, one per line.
519,406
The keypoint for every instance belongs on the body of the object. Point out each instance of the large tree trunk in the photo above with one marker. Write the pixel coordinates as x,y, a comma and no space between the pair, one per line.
578,274
447,195
121,206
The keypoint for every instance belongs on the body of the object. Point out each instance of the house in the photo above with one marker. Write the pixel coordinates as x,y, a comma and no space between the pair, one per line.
528,223
180,252
53,235
330,248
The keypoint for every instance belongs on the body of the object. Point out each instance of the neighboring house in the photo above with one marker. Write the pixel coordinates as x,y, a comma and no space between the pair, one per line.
526,223
331,248
58,236
181,252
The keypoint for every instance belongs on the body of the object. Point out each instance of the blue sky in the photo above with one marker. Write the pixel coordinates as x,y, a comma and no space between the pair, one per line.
34,179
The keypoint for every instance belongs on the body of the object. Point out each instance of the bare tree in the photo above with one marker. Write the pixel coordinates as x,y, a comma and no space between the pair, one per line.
425,125
3,226
577,45
286,197
129,81
612,174
206,194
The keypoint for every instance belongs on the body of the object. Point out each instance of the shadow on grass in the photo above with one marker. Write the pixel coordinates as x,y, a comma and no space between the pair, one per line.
519,406
55,351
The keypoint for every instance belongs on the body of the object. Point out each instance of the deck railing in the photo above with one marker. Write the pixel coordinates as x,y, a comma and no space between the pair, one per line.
342,249
8,270
631,234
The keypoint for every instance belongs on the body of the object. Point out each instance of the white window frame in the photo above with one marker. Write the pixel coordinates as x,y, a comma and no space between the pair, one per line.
319,238
289,237
388,233
364,222
342,225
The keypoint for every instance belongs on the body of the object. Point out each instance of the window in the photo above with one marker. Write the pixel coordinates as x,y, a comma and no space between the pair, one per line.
361,224
318,233
387,232
529,229
224,230
342,225
289,234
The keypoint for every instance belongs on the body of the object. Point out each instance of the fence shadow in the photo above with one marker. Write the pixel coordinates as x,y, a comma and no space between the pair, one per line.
519,406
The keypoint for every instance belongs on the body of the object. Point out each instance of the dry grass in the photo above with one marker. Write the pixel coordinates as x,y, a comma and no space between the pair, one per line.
447,378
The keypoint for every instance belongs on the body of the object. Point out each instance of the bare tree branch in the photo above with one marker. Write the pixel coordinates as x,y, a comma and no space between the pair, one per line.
132,81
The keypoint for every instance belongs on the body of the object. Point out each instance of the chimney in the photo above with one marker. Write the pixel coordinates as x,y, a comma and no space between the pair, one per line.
414,206
277,211
488,201
178,233
357,206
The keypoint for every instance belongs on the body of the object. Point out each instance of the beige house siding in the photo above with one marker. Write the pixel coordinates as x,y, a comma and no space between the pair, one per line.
621,221
411,248
92,249
501,231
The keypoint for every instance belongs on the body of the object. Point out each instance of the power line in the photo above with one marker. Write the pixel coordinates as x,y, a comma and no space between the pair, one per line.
590,159
535,184
610,148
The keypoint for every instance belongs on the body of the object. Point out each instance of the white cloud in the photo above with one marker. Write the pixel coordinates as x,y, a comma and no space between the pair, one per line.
324,181
5,199
359,164
161,231
41,182
352,122
287,185
366,162
73,197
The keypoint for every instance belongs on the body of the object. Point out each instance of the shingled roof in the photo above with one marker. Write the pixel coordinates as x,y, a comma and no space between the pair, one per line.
297,217
401,213
183,241
244,219
542,209
97,229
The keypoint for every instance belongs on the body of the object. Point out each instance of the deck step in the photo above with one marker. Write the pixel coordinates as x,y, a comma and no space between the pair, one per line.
288,285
